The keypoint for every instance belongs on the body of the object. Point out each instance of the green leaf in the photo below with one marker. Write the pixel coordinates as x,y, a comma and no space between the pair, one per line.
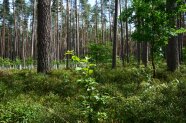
75,58
78,68
181,30
84,60
92,65
85,69
87,58
90,72
69,52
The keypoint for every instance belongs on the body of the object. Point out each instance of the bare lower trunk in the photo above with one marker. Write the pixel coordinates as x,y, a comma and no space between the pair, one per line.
115,36
172,48
44,36
138,53
145,53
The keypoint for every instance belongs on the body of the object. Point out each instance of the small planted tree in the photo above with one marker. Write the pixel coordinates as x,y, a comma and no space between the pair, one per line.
91,101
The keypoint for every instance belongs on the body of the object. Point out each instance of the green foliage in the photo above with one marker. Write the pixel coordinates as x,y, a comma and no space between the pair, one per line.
100,52
21,110
5,62
91,102
184,55
139,98
122,95
29,61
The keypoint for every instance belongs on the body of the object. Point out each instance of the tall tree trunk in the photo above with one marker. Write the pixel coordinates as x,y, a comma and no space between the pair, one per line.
3,39
23,49
115,36
122,39
33,28
172,48
96,23
15,32
61,33
145,53
127,34
44,36
152,58
77,29
180,24
110,23
138,53
9,43
102,23
4,23
144,49
57,36
67,38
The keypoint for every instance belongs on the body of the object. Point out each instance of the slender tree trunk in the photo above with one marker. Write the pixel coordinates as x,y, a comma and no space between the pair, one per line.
67,38
57,37
23,49
70,25
180,22
54,37
115,36
102,23
110,23
145,53
9,43
15,32
144,49
122,38
1,43
33,28
96,23
3,33
61,33
152,58
77,29
138,53
127,34
182,37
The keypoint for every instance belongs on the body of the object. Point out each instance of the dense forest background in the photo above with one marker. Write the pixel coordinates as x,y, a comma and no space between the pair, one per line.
142,28
112,61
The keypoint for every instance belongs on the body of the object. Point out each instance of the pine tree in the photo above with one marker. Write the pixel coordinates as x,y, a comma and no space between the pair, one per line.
44,36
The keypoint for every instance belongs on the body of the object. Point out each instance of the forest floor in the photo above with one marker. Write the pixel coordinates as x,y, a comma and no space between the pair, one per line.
123,95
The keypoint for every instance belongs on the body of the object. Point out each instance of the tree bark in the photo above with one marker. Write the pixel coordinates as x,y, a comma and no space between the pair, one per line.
138,53
33,29
15,32
44,36
77,29
145,53
115,36
127,35
67,38
172,48
102,23
122,39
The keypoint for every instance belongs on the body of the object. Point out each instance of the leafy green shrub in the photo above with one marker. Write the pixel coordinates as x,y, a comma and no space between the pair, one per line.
157,103
100,52
184,55
21,110
123,95
29,61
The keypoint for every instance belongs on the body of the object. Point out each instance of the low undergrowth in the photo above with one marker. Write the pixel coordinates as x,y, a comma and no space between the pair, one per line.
133,96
